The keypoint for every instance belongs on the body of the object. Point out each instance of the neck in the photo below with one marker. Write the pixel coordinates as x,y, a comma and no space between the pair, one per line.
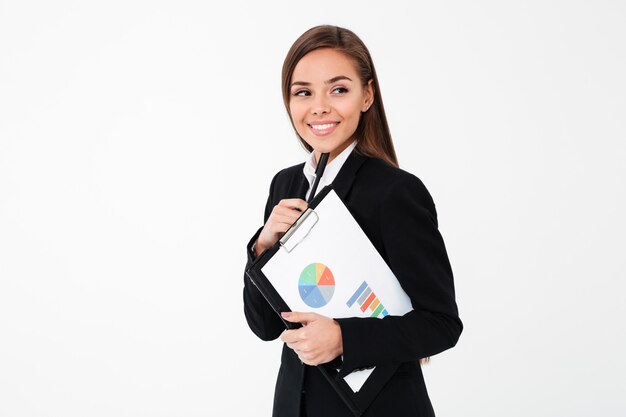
333,153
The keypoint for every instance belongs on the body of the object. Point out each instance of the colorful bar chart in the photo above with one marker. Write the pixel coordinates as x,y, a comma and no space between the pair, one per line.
366,299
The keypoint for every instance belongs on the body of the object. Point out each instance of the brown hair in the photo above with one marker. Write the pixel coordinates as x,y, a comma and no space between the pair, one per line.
372,133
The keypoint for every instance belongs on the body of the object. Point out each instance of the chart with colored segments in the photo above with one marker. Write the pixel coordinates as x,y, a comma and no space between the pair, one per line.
365,298
316,285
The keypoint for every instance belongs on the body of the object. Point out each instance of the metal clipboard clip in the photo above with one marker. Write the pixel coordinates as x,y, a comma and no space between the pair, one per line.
300,230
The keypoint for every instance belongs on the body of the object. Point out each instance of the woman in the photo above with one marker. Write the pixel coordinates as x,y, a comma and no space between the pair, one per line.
331,93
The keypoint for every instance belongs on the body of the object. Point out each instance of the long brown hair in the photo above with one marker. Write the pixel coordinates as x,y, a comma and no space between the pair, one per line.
372,133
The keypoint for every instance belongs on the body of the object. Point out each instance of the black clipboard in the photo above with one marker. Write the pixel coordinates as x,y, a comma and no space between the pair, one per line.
357,402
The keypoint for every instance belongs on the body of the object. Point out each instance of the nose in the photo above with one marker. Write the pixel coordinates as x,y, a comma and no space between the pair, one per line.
320,105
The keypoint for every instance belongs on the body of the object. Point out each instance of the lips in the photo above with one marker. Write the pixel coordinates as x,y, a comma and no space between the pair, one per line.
323,127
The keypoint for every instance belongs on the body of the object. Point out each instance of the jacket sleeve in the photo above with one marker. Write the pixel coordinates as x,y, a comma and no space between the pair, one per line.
417,256
262,319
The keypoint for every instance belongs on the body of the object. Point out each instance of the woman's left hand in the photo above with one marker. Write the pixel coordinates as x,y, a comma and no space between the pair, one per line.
318,341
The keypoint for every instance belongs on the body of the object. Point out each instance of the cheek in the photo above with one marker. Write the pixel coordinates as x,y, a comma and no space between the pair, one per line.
351,111
296,112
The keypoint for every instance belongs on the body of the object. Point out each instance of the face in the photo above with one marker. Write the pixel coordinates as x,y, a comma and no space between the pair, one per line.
326,100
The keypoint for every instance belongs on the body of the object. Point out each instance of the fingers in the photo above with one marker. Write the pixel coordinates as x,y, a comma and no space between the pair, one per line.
319,341
292,337
294,203
296,317
305,349
276,225
283,215
297,335
289,212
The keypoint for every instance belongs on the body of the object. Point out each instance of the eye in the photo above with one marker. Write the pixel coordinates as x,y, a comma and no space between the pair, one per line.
342,90
301,93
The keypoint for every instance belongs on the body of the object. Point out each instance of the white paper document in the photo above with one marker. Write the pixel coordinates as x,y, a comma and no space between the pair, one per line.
328,266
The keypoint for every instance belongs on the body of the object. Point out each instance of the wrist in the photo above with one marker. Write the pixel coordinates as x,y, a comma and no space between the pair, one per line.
257,248
339,345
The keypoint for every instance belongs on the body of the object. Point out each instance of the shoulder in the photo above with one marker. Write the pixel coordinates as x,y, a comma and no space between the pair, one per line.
379,171
287,174
388,179
393,185
285,180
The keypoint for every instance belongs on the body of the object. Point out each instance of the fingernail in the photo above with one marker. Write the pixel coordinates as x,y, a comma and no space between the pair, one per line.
285,314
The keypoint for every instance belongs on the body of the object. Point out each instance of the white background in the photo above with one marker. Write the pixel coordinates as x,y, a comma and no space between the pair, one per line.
137,143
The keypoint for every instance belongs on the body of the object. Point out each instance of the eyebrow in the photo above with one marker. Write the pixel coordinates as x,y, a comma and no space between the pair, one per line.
332,80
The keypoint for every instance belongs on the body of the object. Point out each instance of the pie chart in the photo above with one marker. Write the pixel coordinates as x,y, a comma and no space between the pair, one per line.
316,285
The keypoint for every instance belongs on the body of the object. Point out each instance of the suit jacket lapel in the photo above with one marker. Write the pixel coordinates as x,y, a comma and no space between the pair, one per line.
342,183
299,185
346,175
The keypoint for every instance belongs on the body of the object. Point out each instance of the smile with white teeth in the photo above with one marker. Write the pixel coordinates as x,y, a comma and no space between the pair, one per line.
323,127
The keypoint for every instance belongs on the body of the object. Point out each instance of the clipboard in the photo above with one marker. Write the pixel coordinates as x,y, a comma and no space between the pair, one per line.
326,264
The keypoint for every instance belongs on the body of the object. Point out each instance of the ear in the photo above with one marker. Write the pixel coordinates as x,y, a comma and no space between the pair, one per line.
368,96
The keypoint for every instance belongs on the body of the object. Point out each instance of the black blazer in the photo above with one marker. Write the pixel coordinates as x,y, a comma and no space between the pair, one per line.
398,215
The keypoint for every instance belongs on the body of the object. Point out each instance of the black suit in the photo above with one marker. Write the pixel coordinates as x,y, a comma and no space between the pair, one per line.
398,215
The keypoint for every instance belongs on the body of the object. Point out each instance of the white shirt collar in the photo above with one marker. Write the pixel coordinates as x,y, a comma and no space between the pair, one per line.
330,172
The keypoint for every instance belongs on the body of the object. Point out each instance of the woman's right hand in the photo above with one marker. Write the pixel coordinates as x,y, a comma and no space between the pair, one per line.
283,215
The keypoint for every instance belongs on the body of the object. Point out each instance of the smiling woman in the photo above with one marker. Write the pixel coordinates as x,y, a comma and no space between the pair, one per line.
331,94
331,53
327,103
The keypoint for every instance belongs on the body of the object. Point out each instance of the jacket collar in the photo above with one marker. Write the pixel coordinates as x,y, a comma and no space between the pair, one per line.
345,178
342,183
299,184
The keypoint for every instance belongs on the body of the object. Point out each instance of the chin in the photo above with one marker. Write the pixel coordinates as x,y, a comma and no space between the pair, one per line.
324,150
320,147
